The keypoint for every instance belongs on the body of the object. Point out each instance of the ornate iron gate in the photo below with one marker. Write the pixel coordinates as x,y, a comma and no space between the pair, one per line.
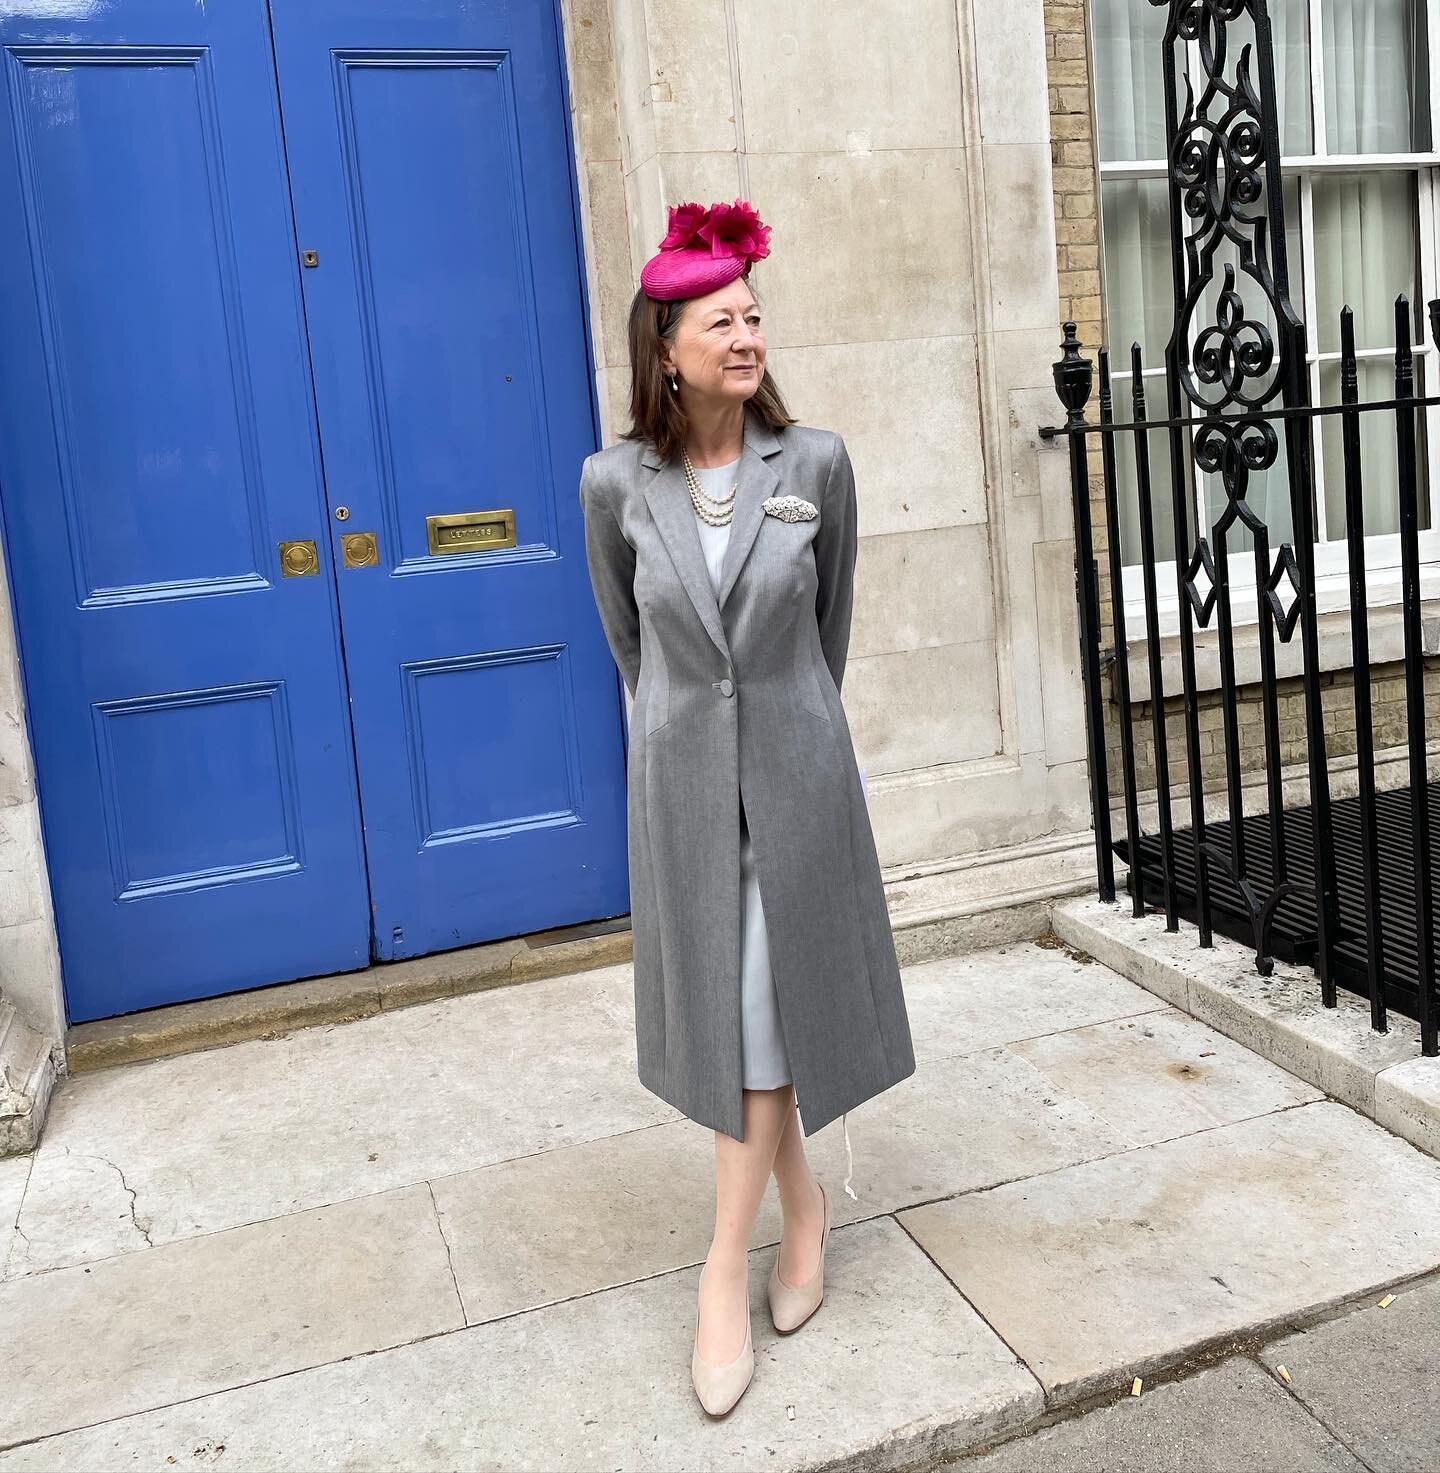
1344,883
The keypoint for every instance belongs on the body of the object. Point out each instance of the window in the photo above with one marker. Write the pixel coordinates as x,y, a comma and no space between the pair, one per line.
1362,199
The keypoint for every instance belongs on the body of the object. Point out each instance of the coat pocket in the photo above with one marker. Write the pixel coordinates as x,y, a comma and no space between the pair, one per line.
808,689
654,697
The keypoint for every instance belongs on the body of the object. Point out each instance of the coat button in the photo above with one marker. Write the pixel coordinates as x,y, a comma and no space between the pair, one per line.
727,688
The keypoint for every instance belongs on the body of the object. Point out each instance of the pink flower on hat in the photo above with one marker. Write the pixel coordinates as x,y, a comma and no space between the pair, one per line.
705,249
735,230
685,223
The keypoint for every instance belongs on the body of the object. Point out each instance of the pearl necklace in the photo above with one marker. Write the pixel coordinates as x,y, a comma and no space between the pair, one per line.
715,510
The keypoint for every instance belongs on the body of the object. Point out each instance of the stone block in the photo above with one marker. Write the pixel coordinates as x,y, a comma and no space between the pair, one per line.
910,415
1163,1075
1010,65
1103,1271
1020,228
866,247
192,1318
818,79
917,590
894,1370
925,706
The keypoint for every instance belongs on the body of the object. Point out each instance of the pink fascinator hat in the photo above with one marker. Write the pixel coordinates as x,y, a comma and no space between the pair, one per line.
705,249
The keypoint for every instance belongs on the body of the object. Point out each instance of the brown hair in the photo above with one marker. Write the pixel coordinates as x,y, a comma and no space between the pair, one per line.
656,413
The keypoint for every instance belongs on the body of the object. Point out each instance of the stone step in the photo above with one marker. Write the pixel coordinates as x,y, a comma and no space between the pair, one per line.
27,1077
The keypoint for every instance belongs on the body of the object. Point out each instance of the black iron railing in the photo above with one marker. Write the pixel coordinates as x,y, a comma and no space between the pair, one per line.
1345,884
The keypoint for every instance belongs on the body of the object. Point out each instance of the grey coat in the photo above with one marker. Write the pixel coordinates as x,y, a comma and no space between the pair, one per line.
737,699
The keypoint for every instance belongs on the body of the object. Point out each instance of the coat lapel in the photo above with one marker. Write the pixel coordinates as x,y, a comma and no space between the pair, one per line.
669,501
757,480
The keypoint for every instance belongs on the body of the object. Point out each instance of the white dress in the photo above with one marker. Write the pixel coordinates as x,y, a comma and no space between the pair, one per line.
765,1062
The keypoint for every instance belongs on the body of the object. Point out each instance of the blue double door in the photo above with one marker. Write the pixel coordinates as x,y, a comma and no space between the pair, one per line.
294,392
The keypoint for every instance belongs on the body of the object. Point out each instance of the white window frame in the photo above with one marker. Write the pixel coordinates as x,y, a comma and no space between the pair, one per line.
1331,557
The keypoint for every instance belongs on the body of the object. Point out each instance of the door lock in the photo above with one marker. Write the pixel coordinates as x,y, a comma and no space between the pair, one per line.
342,513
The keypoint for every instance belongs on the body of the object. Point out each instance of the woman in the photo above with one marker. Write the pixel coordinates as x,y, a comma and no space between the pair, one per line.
721,540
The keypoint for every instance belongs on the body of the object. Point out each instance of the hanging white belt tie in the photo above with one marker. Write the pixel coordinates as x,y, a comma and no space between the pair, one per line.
849,1159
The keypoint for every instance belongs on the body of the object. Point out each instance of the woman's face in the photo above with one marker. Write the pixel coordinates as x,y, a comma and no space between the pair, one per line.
719,351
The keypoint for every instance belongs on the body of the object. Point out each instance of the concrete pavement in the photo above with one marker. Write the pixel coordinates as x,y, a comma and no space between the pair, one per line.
462,1236
1359,1398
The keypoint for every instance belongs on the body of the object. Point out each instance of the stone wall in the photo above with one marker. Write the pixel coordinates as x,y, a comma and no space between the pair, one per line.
901,149
29,953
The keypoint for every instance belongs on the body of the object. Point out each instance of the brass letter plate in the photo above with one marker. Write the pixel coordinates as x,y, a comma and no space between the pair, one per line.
471,531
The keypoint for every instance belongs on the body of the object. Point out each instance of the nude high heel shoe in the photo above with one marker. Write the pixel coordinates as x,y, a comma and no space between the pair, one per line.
790,1308
720,1387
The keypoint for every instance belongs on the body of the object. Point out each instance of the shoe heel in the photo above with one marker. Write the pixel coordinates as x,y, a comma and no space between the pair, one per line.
791,1307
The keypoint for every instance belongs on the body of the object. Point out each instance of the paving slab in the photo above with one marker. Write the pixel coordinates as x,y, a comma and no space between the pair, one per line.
211,1141
148,1329
961,1004
1234,1418
1101,1271
1280,1016
587,1217
14,1173
895,1367
1371,1378
215,1140
1163,1075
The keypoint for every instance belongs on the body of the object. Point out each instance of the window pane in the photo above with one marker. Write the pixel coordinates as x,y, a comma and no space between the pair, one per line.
1378,466
1129,80
1257,306
1290,33
1129,47
1139,289
1377,87
1365,253
1162,506
1268,496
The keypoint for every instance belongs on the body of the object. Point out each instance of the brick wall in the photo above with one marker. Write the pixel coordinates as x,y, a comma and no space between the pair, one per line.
1076,186
1077,192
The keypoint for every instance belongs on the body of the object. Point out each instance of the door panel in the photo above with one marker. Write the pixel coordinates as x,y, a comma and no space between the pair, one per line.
186,703
431,175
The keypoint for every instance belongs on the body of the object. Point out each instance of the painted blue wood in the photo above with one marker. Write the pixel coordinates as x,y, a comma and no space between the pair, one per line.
430,169
186,704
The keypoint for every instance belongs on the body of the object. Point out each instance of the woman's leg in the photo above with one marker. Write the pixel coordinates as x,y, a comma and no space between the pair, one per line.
742,1172
800,1202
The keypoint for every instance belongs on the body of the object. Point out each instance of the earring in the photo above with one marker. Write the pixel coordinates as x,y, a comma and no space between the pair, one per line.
674,384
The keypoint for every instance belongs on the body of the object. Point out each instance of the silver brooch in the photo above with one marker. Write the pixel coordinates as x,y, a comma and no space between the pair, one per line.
790,508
